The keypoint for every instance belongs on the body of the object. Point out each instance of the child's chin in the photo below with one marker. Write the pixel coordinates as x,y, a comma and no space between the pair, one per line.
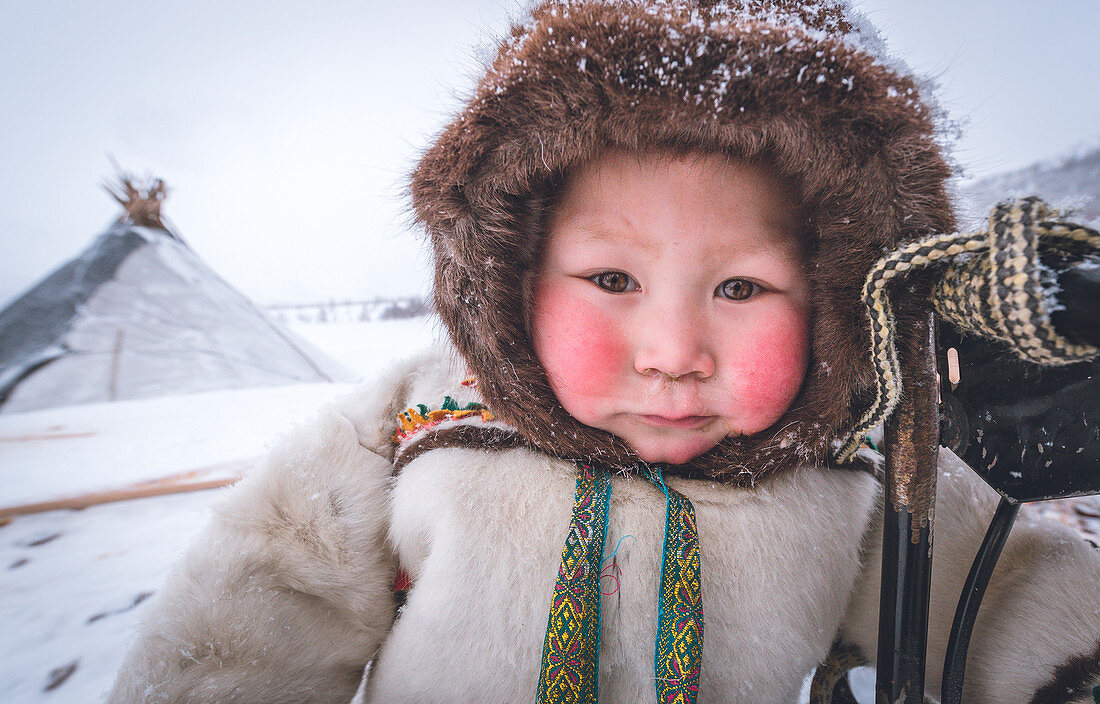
673,455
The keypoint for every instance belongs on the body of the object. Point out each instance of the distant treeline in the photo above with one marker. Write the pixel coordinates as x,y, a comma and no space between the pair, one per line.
350,311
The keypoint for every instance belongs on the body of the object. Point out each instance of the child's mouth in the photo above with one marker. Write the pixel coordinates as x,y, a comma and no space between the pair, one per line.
689,422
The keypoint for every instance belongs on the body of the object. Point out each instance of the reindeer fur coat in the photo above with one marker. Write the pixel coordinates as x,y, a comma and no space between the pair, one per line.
289,593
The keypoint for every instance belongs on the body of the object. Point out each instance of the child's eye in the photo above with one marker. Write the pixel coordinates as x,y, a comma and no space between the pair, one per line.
737,289
614,281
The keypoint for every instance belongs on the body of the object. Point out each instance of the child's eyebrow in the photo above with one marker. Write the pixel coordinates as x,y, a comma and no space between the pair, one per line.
588,230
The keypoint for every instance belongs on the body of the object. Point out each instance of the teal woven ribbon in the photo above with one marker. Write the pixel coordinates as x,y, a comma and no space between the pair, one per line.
678,653
571,651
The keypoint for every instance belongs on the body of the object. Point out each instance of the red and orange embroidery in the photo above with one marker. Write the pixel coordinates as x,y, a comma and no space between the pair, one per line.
413,420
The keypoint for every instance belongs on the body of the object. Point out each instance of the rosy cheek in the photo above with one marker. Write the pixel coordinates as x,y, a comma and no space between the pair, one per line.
579,345
772,370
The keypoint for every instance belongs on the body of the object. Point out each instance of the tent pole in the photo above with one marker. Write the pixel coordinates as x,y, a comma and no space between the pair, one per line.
116,355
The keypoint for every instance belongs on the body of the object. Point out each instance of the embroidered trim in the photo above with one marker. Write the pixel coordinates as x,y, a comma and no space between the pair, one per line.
571,652
570,655
678,652
413,420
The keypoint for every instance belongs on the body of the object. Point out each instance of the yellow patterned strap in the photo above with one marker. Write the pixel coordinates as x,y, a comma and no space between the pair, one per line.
571,651
995,286
678,652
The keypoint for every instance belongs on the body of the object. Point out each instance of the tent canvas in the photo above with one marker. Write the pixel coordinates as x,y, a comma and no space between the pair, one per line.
136,315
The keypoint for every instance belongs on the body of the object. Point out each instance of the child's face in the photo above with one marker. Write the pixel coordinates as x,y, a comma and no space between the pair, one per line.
672,309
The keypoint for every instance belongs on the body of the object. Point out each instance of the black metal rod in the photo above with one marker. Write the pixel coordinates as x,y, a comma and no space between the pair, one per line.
954,664
912,441
903,608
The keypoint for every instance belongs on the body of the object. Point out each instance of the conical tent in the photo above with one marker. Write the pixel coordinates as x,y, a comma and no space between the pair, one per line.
136,315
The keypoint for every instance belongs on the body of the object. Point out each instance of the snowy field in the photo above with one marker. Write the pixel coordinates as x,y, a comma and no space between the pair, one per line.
74,582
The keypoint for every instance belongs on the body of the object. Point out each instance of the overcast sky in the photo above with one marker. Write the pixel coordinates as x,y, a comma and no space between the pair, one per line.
286,129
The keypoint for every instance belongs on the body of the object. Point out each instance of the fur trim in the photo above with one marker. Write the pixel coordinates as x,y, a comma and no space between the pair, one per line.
1073,681
459,433
288,592
763,81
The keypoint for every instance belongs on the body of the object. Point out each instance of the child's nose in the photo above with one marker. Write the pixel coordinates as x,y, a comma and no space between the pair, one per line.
674,346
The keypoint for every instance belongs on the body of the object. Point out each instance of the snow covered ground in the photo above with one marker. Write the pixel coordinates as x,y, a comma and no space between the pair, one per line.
73,582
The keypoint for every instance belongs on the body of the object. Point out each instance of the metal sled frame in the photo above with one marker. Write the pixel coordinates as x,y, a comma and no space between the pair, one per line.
912,445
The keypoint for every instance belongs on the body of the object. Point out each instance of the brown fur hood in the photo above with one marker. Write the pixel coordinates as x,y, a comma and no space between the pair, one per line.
782,80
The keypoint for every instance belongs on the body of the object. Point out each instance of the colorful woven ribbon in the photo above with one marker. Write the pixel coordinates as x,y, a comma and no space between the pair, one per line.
570,655
679,650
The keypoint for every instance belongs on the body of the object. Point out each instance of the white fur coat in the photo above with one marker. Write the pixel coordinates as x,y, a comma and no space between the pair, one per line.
288,593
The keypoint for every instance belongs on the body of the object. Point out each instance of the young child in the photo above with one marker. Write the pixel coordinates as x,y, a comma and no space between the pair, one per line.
651,227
